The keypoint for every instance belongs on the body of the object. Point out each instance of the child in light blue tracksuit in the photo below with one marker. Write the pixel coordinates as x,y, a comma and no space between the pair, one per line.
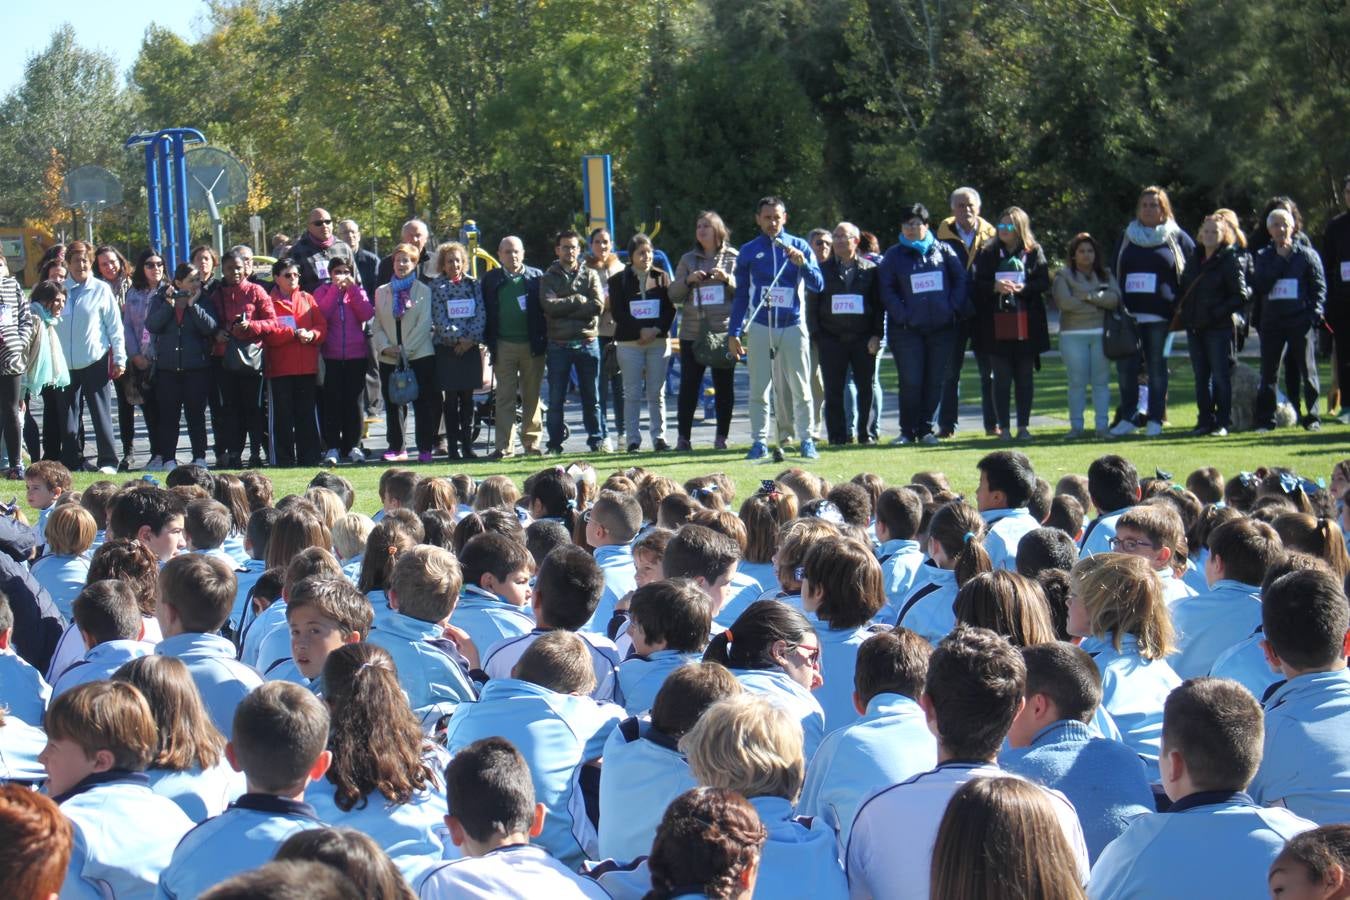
280,735
65,568
669,629
494,603
888,744
1306,757
100,737
423,588
956,553
544,713
1006,484
899,516
1210,756
841,589
108,617
23,690
195,596
612,524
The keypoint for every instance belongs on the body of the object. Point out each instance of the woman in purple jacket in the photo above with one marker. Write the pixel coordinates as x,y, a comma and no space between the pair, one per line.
345,308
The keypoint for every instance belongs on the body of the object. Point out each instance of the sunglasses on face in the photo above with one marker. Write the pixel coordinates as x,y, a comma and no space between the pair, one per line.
1006,226
154,263
321,222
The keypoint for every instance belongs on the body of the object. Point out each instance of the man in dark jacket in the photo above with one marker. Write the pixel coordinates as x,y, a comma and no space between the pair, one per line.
1336,266
368,268
516,335
967,233
315,248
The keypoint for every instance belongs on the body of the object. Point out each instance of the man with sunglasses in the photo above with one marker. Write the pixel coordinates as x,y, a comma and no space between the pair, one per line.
316,248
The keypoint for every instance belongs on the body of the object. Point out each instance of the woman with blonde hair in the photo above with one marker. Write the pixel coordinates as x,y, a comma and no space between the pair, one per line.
1116,606
751,745
1011,280
704,282
458,319
1084,290
1019,844
1213,290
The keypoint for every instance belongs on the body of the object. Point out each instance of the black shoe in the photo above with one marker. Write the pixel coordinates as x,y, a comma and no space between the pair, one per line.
255,462
127,464
778,454
634,448
866,440
468,453
660,445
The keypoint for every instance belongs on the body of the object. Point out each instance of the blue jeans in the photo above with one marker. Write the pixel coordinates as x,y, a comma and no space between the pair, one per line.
1213,353
1085,364
922,360
1152,337
585,359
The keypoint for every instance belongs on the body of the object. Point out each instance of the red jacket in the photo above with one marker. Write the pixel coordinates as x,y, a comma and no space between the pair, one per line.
247,299
283,353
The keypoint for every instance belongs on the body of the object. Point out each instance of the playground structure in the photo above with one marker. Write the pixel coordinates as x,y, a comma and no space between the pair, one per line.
166,189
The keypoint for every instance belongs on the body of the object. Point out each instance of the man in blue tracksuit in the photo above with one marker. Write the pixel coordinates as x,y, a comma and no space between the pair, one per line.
772,271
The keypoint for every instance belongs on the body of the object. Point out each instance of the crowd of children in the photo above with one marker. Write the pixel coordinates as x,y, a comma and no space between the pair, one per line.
1111,687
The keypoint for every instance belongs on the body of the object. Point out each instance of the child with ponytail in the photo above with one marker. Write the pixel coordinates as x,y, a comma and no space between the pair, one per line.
398,532
553,496
383,780
842,588
956,554
1317,536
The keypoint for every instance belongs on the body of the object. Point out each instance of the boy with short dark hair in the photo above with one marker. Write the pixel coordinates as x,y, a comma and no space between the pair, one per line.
853,503
396,489
899,515
493,817
1307,743
26,692
543,537
611,525
101,738
1154,532
109,620
888,744
206,524
494,603
1206,484
709,559
96,499
280,744
1045,548
669,627
567,589
322,614
1207,624
557,733
1054,745
972,693
1211,745
1066,514
45,481
1006,484
195,597
1113,485
151,515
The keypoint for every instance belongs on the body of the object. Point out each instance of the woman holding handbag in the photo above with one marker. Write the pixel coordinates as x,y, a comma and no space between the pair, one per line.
401,338
1083,291
1011,278
291,343
346,309
457,320
704,283
1213,288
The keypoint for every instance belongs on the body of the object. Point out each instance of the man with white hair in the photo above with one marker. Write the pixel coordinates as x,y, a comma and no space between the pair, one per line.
516,335
1291,295
966,233
414,232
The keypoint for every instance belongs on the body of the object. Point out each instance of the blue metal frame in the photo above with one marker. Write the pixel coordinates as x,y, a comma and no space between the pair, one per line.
166,189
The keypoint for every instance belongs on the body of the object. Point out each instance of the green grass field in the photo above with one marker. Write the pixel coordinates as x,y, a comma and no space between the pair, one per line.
1052,454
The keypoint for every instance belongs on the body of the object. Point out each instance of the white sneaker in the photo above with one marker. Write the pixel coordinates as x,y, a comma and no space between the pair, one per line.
1123,427
331,457
201,461
900,441
1154,429
156,464
169,465
107,470
1219,432
929,440
356,457
607,446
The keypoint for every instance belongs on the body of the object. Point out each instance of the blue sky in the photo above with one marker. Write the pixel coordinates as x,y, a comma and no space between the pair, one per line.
113,26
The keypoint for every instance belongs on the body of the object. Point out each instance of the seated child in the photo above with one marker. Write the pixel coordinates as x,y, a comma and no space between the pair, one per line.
1113,485
493,817
841,587
643,760
297,530
1305,765
669,629
349,543
649,553
542,538
494,604
39,839
280,735
96,499
24,691
956,554
1314,864
611,525
764,513
45,481
259,530
1240,553
206,524
1006,485
890,743
275,646
188,765
423,588
151,515
1045,548
899,514
322,614
109,621
100,739
1066,515
195,596
708,559
1154,533
544,710
1116,607
64,569
1211,745
1054,745
567,588
396,489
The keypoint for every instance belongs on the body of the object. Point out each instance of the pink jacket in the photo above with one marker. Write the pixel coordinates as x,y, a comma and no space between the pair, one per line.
344,312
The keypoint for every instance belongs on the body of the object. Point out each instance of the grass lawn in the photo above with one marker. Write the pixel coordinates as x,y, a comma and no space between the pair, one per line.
1310,454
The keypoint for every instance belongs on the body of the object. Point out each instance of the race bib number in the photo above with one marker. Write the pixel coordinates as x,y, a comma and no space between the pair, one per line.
846,304
461,309
288,321
708,295
521,301
1285,289
925,282
1345,271
321,268
1141,283
1016,277
644,309
781,297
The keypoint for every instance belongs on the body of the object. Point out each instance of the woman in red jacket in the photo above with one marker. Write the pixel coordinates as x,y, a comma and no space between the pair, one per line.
291,364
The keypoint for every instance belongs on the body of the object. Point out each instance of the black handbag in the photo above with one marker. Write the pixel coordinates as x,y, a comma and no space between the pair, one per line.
1120,334
242,356
710,349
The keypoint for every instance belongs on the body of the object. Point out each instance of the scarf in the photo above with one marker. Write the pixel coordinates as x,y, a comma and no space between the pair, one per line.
401,288
323,245
1143,236
920,247
48,368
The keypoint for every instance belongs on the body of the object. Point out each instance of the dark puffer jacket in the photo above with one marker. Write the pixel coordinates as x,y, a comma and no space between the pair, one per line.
1296,314
181,345
1213,289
